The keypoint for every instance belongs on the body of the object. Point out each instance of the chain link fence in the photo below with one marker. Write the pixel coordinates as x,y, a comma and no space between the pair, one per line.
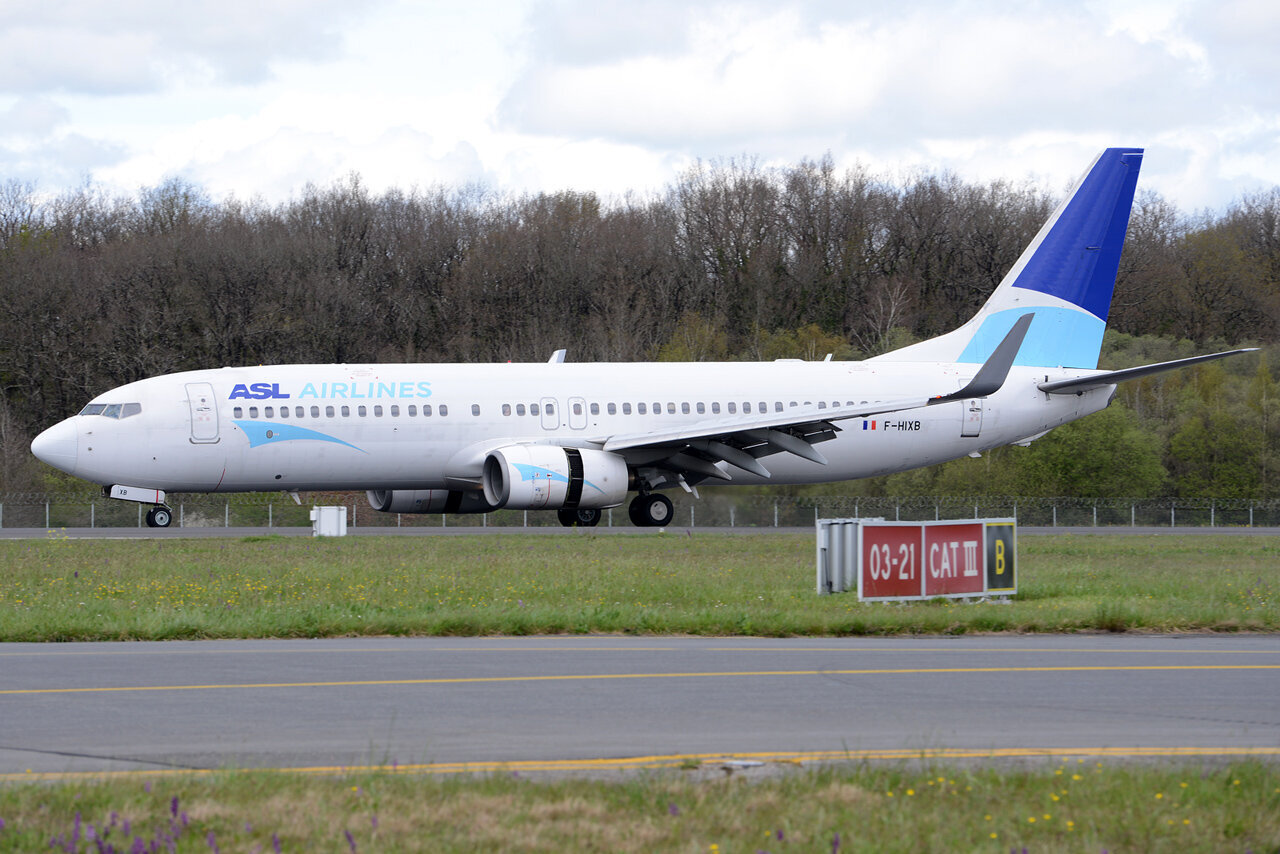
722,509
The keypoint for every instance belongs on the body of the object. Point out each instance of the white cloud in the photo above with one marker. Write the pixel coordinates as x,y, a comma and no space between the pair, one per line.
263,97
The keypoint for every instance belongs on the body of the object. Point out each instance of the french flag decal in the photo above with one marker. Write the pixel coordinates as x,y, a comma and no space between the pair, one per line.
868,425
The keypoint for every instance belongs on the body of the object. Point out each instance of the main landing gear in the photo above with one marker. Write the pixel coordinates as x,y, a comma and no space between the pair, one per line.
650,510
159,517
578,518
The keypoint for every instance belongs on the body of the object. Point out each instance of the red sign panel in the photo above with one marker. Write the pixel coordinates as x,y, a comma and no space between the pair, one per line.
953,559
890,561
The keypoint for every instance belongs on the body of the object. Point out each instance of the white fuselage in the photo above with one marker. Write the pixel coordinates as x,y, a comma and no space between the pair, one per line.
366,427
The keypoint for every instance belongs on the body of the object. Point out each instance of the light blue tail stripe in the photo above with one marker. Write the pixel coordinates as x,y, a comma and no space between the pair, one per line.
1058,337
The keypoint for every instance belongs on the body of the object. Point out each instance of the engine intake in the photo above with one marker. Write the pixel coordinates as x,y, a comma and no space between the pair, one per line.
549,477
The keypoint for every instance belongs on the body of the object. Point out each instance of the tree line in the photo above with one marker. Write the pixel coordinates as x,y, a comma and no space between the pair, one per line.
731,261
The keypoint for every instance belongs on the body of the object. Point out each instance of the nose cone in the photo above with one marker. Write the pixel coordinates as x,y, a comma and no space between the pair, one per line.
57,446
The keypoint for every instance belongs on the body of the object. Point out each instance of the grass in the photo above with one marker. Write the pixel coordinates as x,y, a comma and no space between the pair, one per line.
60,589
1075,805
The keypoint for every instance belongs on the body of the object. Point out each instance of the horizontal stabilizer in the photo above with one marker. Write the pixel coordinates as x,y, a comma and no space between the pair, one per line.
1083,384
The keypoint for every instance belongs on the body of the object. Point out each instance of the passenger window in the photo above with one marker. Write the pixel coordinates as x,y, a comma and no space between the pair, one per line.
551,408
733,408
715,408
657,409
328,412
346,411
626,409
130,409
533,409
413,411
299,411
315,412
93,409
253,411
362,411
377,411
671,408
640,408
475,409
777,406
284,412
269,411
702,408
426,410
746,407
506,409
577,409
611,408
395,411
684,408
237,412
444,410
822,404
519,409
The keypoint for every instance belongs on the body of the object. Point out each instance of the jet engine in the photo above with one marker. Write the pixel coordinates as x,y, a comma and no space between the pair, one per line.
549,477
427,501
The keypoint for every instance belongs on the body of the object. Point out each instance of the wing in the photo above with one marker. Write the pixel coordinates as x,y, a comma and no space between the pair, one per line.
704,449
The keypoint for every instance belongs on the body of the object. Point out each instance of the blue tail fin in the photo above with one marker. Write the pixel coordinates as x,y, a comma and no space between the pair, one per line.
1065,276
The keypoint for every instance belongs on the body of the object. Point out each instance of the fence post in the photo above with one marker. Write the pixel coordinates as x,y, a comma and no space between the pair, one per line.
93,514
271,522
1095,515
226,514
1055,515
732,506
1212,515
690,515
775,513
46,513
526,518
182,515
1172,515
2,514
1250,513
1132,515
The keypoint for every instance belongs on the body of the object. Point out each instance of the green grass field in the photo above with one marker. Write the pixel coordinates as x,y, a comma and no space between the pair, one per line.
712,584
1071,805
61,589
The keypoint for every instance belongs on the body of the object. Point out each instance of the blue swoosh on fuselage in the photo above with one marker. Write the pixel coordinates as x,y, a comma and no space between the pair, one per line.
268,433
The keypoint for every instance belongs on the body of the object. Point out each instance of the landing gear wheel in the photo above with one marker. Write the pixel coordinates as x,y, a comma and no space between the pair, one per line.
579,518
159,517
650,511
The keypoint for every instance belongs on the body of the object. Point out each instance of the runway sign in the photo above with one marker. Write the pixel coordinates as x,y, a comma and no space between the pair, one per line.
897,561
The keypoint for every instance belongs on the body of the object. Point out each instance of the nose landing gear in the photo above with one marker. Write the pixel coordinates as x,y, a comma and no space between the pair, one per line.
159,517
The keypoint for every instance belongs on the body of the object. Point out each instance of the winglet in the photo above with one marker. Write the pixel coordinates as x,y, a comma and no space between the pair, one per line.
992,374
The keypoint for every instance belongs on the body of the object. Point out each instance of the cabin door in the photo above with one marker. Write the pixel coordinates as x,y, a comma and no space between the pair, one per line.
204,413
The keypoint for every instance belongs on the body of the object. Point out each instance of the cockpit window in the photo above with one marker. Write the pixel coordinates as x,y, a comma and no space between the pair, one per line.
112,410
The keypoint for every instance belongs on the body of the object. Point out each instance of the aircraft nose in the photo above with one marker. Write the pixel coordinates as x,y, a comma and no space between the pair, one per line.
57,446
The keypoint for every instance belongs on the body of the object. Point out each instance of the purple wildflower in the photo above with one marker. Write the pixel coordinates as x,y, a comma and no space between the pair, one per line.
351,840
213,842
780,835
275,843
146,787
672,809
139,847
374,820
835,843
173,807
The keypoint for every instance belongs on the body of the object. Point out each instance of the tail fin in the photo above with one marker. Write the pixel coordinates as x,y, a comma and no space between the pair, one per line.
1066,276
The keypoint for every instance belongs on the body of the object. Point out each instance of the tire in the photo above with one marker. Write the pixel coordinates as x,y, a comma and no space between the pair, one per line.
580,518
159,517
651,511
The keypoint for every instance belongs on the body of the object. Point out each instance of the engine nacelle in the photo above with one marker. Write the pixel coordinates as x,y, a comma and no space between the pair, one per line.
549,477
427,501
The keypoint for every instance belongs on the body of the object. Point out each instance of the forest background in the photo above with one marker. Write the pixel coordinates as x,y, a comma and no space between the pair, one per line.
732,261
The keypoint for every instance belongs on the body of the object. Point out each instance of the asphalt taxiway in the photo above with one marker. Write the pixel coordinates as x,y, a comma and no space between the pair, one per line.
482,704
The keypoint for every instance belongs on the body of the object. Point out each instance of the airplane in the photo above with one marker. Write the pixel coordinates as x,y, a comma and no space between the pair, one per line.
581,438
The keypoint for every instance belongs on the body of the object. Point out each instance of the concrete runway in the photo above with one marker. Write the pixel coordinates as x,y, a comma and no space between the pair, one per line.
607,702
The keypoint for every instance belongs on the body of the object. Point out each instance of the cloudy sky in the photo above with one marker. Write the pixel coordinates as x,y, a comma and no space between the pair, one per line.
260,97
